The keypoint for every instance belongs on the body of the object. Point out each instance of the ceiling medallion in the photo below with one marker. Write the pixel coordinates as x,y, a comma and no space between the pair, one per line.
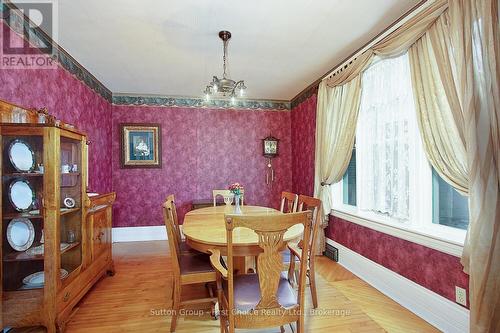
225,87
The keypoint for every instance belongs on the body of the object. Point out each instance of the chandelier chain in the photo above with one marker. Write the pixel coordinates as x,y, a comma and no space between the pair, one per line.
224,59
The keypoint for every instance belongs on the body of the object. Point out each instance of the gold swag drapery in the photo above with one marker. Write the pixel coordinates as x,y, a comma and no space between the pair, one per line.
455,71
339,97
475,39
334,137
455,62
439,113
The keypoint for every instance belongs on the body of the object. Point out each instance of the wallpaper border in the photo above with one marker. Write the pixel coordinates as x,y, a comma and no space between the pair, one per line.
193,102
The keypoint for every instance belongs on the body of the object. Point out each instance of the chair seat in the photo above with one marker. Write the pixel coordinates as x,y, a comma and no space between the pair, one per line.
192,263
247,292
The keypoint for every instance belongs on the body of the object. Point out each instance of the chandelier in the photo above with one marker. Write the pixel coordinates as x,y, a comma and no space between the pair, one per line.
224,87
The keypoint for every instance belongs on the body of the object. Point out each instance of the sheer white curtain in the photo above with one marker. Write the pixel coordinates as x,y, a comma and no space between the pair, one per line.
387,139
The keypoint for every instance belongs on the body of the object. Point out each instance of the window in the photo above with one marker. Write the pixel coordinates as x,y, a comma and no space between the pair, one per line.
389,179
387,127
349,182
449,208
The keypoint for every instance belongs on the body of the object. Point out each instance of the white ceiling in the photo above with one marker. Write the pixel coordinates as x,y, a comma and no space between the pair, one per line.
172,47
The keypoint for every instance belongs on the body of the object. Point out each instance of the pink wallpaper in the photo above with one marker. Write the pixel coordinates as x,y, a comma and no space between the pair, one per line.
73,102
202,150
432,269
303,138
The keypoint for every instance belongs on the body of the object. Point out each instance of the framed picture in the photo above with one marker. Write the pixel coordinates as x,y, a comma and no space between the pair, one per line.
140,145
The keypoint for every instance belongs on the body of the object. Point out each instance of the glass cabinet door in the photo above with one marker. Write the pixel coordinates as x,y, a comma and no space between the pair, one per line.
22,216
71,205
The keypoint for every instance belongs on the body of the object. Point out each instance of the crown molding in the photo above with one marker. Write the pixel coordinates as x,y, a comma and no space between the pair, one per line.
312,90
14,19
197,102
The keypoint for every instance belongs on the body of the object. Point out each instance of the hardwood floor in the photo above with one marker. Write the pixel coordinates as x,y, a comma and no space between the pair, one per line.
138,297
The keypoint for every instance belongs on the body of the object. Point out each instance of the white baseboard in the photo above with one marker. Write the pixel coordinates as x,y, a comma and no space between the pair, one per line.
444,314
139,234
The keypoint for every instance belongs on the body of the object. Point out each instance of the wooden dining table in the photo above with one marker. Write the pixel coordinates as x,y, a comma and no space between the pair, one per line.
205,229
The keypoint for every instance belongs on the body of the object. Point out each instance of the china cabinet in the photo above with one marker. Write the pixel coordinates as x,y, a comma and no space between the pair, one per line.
51,254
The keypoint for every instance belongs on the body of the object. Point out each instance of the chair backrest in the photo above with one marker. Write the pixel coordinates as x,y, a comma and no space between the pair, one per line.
309,203
270,230
222,193
288,202
225,193
168,208
178,233
242,196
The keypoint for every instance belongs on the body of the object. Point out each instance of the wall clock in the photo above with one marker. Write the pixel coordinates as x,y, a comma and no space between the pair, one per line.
270,149
270,146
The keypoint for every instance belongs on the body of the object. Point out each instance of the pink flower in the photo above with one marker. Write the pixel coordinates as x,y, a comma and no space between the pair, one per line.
236,188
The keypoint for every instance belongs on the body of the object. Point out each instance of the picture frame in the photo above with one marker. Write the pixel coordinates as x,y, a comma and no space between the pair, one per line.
140,145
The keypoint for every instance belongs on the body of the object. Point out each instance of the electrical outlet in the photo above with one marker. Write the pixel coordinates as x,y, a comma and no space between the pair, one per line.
461,296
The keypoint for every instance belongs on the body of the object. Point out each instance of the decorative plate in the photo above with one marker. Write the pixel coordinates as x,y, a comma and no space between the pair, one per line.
38,279
21,156
20,233
21,195
39,250
69,202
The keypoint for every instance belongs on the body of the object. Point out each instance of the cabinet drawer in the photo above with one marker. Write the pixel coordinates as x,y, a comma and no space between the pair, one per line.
66,295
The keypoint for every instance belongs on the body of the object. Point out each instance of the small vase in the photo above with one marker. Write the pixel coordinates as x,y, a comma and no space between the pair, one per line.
237,208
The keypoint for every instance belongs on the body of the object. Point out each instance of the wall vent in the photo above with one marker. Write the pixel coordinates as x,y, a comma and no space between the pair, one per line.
332,252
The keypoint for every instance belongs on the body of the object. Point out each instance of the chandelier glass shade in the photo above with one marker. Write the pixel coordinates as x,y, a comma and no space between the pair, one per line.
225,87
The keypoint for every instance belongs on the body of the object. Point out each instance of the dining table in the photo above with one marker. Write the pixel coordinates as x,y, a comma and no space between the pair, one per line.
205,229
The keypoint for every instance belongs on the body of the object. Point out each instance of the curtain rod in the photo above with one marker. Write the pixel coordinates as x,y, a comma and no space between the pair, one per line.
384,33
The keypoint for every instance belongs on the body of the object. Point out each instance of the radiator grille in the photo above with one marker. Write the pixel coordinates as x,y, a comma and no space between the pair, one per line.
332,253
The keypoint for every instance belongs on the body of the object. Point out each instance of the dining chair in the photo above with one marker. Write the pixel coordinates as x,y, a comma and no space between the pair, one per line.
267,298
175,220
288,202
177,228
296,249
242,196
222,193
188,268
288,205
